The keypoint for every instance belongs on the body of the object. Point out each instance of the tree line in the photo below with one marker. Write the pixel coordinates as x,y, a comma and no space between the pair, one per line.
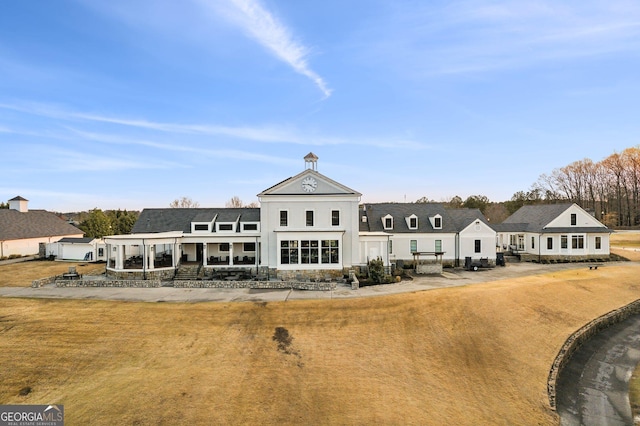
609,189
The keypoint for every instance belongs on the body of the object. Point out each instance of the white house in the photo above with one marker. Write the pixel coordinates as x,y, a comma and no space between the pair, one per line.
554,232
24,231
307,225
78,249
402,231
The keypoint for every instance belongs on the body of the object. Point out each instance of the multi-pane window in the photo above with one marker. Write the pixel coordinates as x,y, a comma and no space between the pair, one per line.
549,243
563,241
284,218
225,227
200,227
223,247
437,222
330,251
533,242
598,243
309,217
335,217
413,222
309,251
250,226
573,219
293,252
414,246
478,246
577,241
249,247
390,246
438,248
289,252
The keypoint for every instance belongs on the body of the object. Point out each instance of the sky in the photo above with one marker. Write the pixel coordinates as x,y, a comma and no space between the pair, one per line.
132,104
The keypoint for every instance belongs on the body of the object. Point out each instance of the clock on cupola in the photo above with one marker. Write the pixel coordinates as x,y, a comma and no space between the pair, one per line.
310,184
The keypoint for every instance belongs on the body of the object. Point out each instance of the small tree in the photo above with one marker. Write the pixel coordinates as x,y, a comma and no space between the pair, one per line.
376,272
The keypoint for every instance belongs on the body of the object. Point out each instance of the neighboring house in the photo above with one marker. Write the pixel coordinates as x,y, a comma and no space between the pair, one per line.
84,249
554,232
307,225
22,231
401,231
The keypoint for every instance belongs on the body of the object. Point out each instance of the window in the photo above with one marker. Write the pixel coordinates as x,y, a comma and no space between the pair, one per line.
533,242
309,214
387,222
223,247
289,252
309,252
330,251
437,222
101,250
414,246
225,227
598,244
250,226
412,221
573,219
284,218
248,247
577,241
438,248
390,246
521,242
201,227
549,243
478,246
563,242
335,217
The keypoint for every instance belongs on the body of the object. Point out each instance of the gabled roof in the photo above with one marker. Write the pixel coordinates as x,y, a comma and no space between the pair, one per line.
535,218
290,186
15,225
18,198
453,220
179,219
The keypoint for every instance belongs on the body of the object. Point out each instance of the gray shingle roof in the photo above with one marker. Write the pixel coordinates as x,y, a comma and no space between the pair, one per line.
453,220
179,219
535,218
15,225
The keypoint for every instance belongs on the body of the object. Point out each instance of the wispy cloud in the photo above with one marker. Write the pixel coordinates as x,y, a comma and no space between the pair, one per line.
266,29
265,134
478,36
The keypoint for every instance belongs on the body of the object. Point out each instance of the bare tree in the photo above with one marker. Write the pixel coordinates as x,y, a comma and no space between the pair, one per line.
184,203
236,202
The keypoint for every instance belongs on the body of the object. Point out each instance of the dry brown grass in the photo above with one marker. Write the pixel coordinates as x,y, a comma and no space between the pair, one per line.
23,273
467,355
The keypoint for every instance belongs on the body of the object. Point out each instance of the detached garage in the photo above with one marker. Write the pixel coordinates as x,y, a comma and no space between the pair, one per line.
80,249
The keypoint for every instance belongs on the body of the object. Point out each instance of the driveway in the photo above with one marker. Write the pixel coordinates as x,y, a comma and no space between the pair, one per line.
450,278
593,389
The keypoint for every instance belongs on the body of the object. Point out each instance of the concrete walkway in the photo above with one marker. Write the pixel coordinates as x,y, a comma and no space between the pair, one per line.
593,389
450,278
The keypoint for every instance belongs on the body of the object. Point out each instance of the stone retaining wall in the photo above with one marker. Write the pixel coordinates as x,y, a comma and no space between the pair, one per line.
108,283
297,285
579,337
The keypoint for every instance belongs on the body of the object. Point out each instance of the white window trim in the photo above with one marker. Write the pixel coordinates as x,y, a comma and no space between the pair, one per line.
413,216
433,221
384,222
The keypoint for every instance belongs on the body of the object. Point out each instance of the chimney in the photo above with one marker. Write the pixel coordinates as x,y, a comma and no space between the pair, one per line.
20,204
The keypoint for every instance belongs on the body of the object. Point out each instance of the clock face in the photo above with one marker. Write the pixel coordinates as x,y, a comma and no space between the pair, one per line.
309,184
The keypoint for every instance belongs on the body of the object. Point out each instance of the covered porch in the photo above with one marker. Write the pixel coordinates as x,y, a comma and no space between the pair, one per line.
222,252
142,256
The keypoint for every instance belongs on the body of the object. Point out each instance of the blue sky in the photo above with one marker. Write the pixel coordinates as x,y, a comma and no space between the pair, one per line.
132,104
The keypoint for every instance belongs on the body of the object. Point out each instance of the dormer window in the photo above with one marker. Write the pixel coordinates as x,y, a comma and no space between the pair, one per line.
574,219
387,222
412,222
436,221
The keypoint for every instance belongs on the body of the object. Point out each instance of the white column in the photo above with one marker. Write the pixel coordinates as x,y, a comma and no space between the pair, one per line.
230,253
152,256
118,256
205,256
